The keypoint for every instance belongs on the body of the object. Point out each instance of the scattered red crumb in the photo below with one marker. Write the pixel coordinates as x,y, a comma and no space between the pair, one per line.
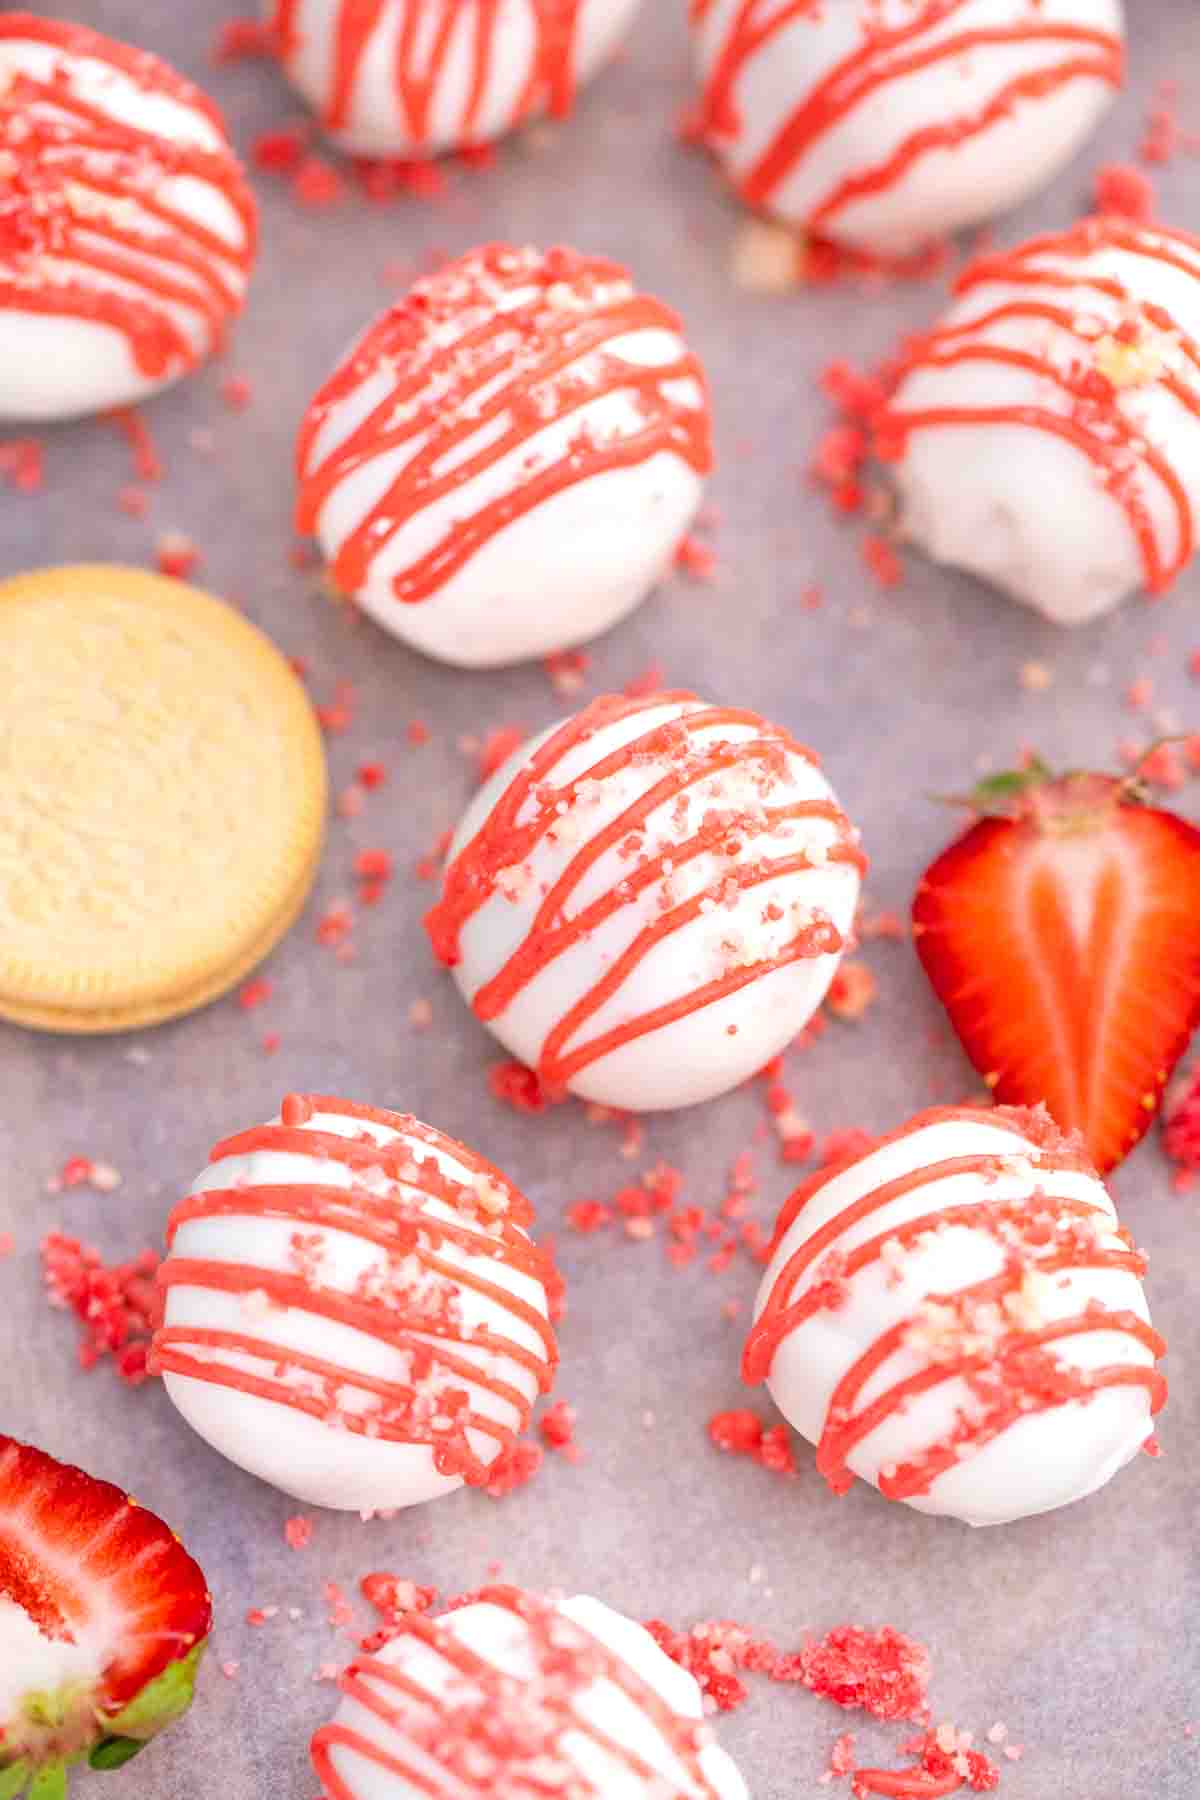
255,993
316,184
841,1757
844,1146
135,501
515,1470
812,598
372,775
883,562
649,681
496,749
237,392
84,1171
567,669
281,151
1181,1121
1126,191
393,1596
420,1015
257,1617
587,1216
271,1042
22,465
1139,694
1162,136
521,1088
335,926
742,1433
945,1764
229,1669
239,38
880,925
695,558
557,1428
851,991
337,715
175,554
882,1672
417,732
147,464
119,1307
7,1244
297,1532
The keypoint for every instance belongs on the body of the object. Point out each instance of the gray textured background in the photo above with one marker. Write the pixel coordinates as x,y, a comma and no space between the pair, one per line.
1078,1630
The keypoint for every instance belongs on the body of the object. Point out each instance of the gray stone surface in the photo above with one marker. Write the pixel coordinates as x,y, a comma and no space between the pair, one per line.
1079,1629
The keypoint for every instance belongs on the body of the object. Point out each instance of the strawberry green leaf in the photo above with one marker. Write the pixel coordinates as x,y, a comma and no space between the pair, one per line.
165,1698
13,1779
115,1752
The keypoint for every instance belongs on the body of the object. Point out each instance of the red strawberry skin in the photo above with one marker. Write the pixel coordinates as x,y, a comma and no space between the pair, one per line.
73,1549
1064,942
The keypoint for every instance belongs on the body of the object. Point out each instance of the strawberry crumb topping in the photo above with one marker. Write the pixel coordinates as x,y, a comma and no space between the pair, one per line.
118,1306
743,1433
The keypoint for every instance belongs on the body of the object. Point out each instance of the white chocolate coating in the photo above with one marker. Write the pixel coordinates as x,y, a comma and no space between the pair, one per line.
376,121
1045,1460
944,186
974,494
503,1640
55,366
316,1458
722,1042
581,556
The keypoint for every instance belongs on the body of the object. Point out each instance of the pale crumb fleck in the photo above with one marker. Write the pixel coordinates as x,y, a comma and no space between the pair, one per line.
1036,677
766,258
420,1015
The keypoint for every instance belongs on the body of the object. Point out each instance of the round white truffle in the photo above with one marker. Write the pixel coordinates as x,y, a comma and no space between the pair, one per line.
403,79
129,230
957,1317
649,901
511,1694
505,464
354,1311
883,125
1071,367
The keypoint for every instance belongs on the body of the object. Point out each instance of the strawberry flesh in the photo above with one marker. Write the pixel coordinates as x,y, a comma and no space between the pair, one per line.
1064,942
98,1576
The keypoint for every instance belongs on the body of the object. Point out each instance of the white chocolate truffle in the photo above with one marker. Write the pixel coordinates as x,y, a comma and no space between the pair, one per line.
127,230
510,1694
884,125
506,462
1069,367
649,901
400,78
957,1317
354,1311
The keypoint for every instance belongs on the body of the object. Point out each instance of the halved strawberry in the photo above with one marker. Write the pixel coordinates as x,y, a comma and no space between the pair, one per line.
1062,935
103,1618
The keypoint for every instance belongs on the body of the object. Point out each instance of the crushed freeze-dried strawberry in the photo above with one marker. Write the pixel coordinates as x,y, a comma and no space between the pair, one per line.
514,1470
254,994
521,1088
393,1596
237,392
695,558
587,1216
743,1433
882,1672
883,562
298,1532
371,775
118,1306
852,990
282,151
567,669
1120,188
557,1428
944,1765
175,554
147,463
1181,1120
22,465
316,184
239,38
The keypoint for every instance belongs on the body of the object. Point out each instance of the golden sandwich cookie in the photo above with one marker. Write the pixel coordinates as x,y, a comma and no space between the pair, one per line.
162,798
